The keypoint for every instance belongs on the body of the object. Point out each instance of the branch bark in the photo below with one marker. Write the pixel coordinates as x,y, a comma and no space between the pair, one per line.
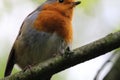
79,55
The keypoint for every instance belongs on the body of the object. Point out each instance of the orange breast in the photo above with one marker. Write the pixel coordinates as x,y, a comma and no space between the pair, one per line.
52,21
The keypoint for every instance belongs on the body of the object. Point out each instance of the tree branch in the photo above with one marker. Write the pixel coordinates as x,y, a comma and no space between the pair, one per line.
79,55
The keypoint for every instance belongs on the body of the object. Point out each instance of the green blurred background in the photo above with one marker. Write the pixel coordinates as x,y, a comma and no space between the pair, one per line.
92,20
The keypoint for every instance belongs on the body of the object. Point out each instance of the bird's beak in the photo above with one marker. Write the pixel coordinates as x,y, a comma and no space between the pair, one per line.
76,3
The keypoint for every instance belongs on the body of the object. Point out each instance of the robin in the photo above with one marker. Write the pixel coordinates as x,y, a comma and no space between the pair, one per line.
45,32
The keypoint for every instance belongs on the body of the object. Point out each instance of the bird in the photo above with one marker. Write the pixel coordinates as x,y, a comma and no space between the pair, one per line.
45,32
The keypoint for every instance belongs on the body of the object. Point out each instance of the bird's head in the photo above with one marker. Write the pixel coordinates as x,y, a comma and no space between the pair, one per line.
64,7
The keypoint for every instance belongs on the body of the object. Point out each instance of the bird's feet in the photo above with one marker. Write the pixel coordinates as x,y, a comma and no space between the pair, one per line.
27,67
68,52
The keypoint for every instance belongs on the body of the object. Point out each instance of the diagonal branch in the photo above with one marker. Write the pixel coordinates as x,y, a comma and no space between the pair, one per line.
79,55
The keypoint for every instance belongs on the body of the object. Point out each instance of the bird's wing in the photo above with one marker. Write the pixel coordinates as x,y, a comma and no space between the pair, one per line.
11,58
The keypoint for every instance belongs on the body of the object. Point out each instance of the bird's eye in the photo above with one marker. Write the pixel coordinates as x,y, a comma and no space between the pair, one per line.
60,1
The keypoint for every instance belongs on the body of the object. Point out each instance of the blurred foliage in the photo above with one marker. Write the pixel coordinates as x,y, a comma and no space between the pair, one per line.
2,66
59,76
38,1
89,5
7,6
117,28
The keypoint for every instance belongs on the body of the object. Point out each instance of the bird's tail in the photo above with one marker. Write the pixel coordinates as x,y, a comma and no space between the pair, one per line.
10,63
